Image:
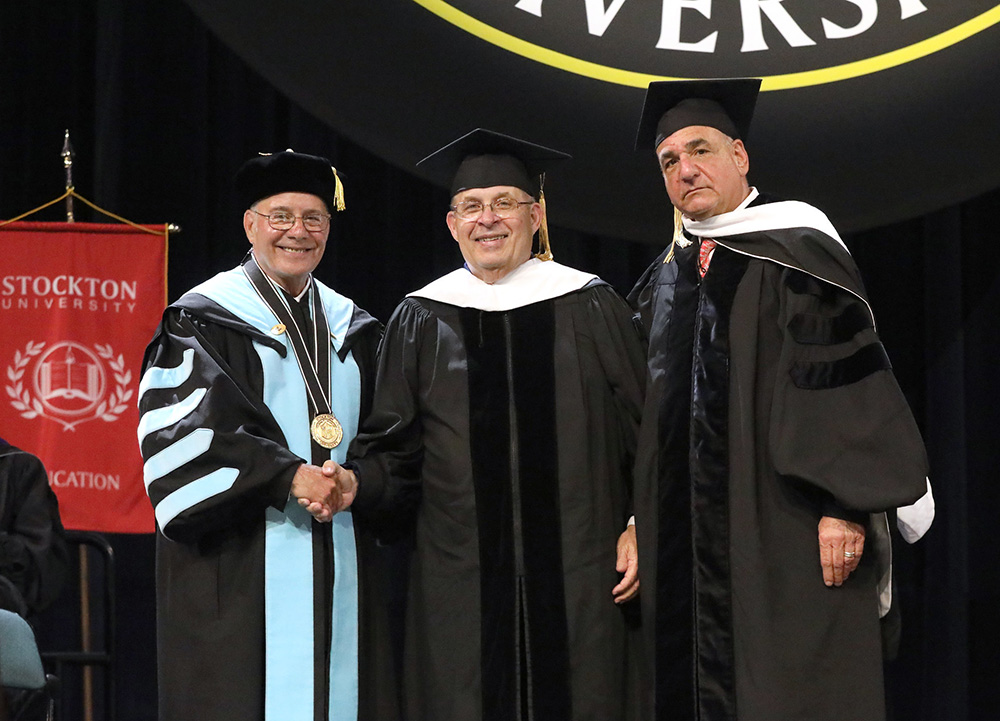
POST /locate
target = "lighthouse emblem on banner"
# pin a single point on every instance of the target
(68, 382)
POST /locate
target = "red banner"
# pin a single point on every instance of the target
(78, 304)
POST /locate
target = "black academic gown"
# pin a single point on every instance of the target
(34, 561)
(770, 403)
(512, 432)
(210, 563)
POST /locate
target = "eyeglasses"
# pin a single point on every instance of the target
(283, 220)
(502, 207)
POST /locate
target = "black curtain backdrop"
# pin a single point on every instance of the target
(161, 114)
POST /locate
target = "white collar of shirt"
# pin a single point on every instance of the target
(533, 281)
(305, 290)
(749, 199)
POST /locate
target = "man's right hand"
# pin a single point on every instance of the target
(325, 490)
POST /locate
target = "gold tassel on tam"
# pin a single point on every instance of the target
(544, 249)
(338, 192)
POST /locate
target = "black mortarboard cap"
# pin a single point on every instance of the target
(289, 172)
(724, 104)
(484, 158)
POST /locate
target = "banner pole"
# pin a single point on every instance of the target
(67, 156)
(88, 676)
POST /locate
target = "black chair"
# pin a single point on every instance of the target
(96, 594)
(21, 673)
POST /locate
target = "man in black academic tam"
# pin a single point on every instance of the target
(288, 171)
(253, 385)
(772, 420)
(507, 398)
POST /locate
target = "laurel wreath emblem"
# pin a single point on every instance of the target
(116, 403)
(22, 400)
(108, 410)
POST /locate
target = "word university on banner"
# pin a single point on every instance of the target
(78, 304)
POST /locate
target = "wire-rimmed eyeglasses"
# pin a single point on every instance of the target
(502, 207)
(283, 220)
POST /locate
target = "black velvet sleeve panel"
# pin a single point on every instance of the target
(245, 434)
(839, 421)
(841, 372)
(814, 329)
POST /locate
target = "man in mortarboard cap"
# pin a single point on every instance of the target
(772, 420)
(507, 398)
(252, 386)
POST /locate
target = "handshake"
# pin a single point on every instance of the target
(325, 490)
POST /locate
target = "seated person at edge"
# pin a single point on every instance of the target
(34, 561)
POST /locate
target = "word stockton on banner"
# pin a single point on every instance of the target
(78, 304)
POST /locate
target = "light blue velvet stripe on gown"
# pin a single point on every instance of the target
(289, 573)
(345, 401)
(289, 671)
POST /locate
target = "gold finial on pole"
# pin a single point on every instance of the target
(67, 156)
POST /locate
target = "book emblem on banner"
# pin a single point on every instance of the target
(68, 383)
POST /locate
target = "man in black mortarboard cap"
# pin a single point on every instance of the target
(772, 418)
(495, 233)
(507, 399)
(252, 387)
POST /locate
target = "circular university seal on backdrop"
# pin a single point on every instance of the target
(857, 94)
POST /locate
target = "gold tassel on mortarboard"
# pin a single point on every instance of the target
(678, 232)
(338, 191)
(544, 249)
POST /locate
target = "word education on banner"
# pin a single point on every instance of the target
(78, 304)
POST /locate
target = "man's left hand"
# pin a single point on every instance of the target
(628, 563)
(841, 544)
